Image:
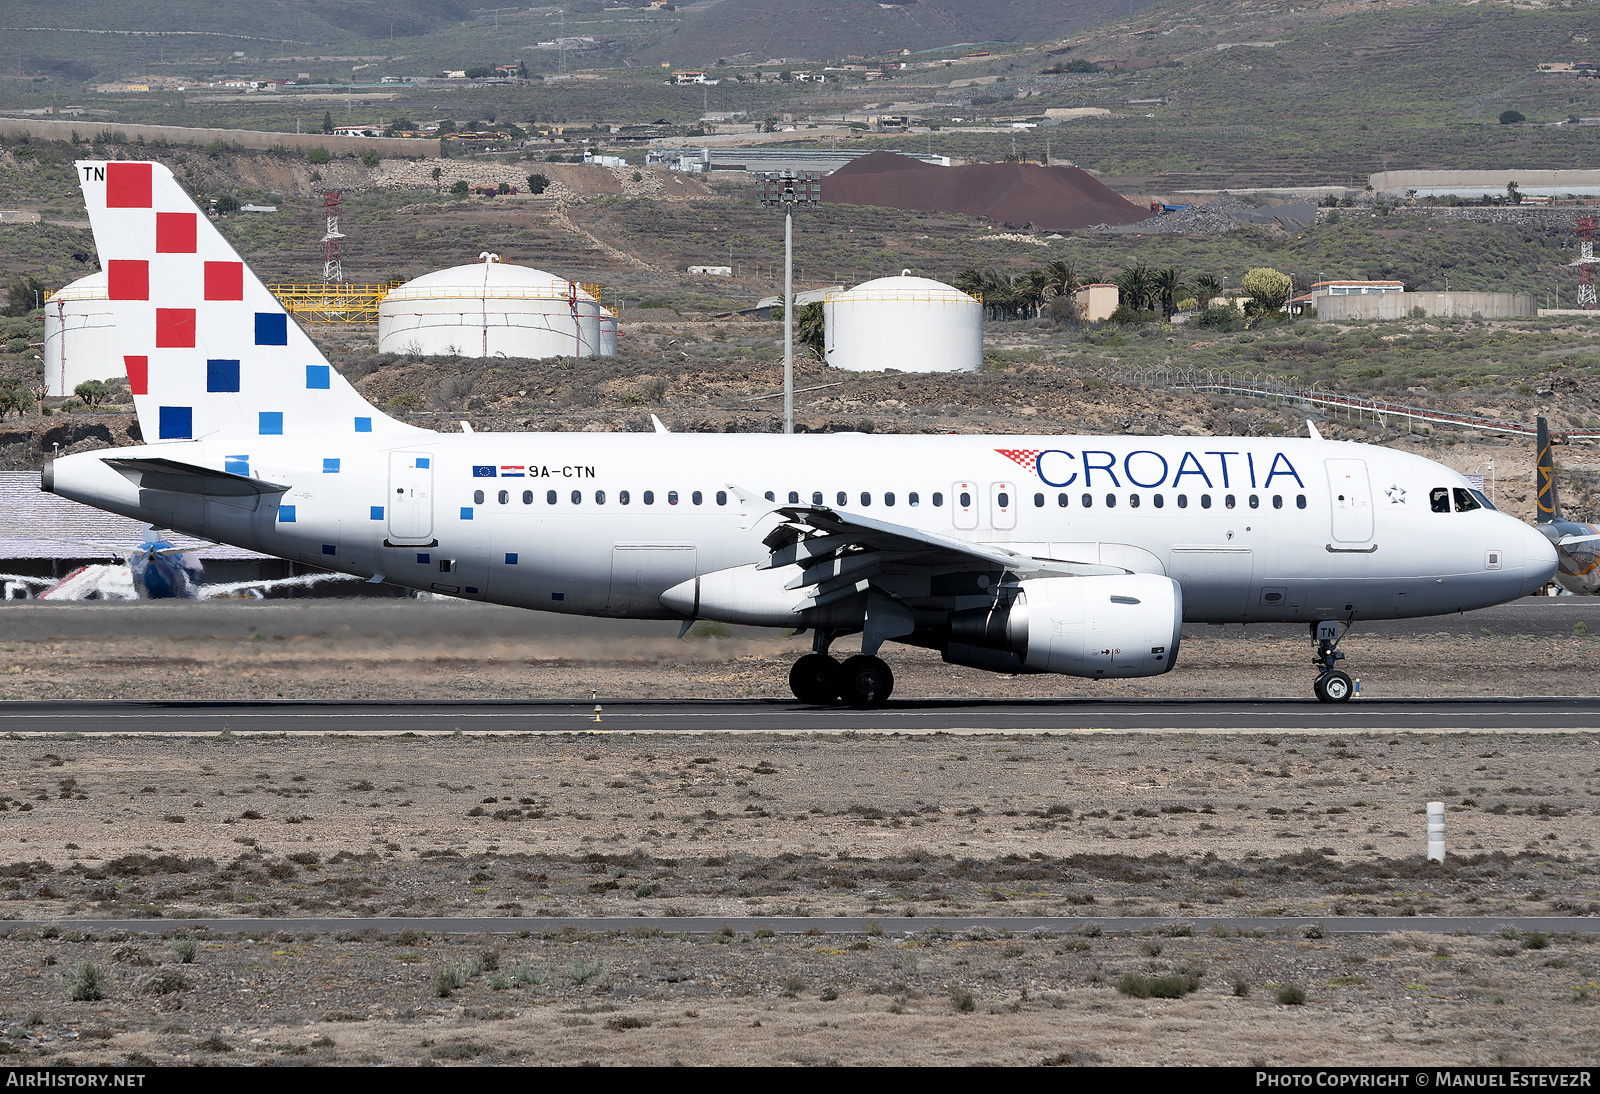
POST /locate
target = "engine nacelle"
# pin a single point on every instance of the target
(1103, 627)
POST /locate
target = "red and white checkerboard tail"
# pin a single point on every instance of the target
(208, 350)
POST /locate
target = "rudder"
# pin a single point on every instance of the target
(208, 350)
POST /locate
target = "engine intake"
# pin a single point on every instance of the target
(1103, 627)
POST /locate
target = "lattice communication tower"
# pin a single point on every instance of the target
(332, 260)
(1586, 263)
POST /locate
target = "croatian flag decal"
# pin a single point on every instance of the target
(483, 470)
(513, 471)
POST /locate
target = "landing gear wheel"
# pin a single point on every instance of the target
(865, 682)
(1334, 687)
(815, 679)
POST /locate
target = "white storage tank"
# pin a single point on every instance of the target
(80, 336)
(913, 324)
(492, 308)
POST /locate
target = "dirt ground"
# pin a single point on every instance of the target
(341, 662)
(536, 826)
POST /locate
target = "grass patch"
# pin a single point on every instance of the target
(1157, 987)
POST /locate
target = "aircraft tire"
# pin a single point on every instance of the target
(865, 682)
(815, 679)
(1334, 687)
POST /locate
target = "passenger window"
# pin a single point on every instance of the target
(1277, 501)
(477, 497)
(794, 497)
(938, 500)
(913, 500)
(1038, 501)
(1004, 499)
(1133, 501)
(1299, 501)
(577, 497)
(505, 496)
(1439, 499)
(1465, 502)
(1061, 500)
(527, 497)
(1111, 501)
(672, 497)
(649, 497)
(697, 497)
(1255, 501)
(549, 497)
(771, 496)
(599, 497)
(1088, 501)
(966, 500)
(866, 499)
(816, 497)
(1205, 501)
(841, 498)
(624, 497)
(1183, 501)
(722, 497)
(1161, 501)
(1228, 501)
(888, 498)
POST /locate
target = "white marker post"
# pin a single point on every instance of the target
(1436, 831)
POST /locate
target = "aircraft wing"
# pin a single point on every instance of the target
(838, 550)
(228, 588)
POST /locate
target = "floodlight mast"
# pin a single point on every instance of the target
(788, 189)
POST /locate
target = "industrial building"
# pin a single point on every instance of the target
(1434, 305)
(913, 324)
(80, 336)
(1097, 302)
(491, 308)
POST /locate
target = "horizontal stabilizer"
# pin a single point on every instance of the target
(186, 478)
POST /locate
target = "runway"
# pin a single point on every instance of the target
(1553, 714)
(888, 925)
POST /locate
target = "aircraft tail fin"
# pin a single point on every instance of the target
(1548, 508)
(208, 350)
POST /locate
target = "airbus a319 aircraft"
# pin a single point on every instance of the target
(1075, 555)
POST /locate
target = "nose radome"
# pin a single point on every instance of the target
(1538, 559)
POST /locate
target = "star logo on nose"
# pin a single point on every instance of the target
(1397, 495)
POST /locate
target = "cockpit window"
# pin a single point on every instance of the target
(1465, 502)
(1483, 501)
(1439, 499)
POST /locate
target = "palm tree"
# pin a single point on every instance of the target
(1166, 285)
(1060, 279)
(1206, 288)
(999, 299)
(1028, 291)
(1134, 284)
(970, 281)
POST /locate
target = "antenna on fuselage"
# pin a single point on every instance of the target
(1547, 508)
(657, 423)
(1311, 428)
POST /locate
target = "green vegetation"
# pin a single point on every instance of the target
(1158, 987)
(84, 981)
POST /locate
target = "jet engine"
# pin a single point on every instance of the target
(1103, 626)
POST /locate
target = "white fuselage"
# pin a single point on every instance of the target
(1253, 529)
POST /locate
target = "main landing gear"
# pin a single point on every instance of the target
(1333, 685)
(820, 679)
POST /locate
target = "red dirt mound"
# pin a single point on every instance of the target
(1053, 198)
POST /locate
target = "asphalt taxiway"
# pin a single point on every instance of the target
(1521, 715)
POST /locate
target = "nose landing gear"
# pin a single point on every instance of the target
(1332, 685)
(818, 678)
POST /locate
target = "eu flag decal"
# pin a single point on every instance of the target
(483, 470)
